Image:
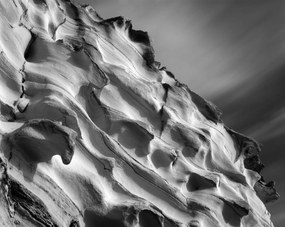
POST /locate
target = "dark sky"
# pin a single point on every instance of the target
(231, 52)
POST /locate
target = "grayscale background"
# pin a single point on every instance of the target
(231, 52)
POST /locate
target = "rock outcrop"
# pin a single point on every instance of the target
(93, 132)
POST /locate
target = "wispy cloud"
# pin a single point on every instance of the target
(272, 128)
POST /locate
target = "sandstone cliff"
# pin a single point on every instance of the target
(93, 132)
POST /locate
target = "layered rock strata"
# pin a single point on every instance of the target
(93, 132)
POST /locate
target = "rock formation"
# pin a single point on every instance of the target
(93, 132)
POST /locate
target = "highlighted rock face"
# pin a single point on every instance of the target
(94, 133)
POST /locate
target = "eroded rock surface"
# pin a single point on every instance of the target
(94, 133)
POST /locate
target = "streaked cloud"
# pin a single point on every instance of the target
(274, 127)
